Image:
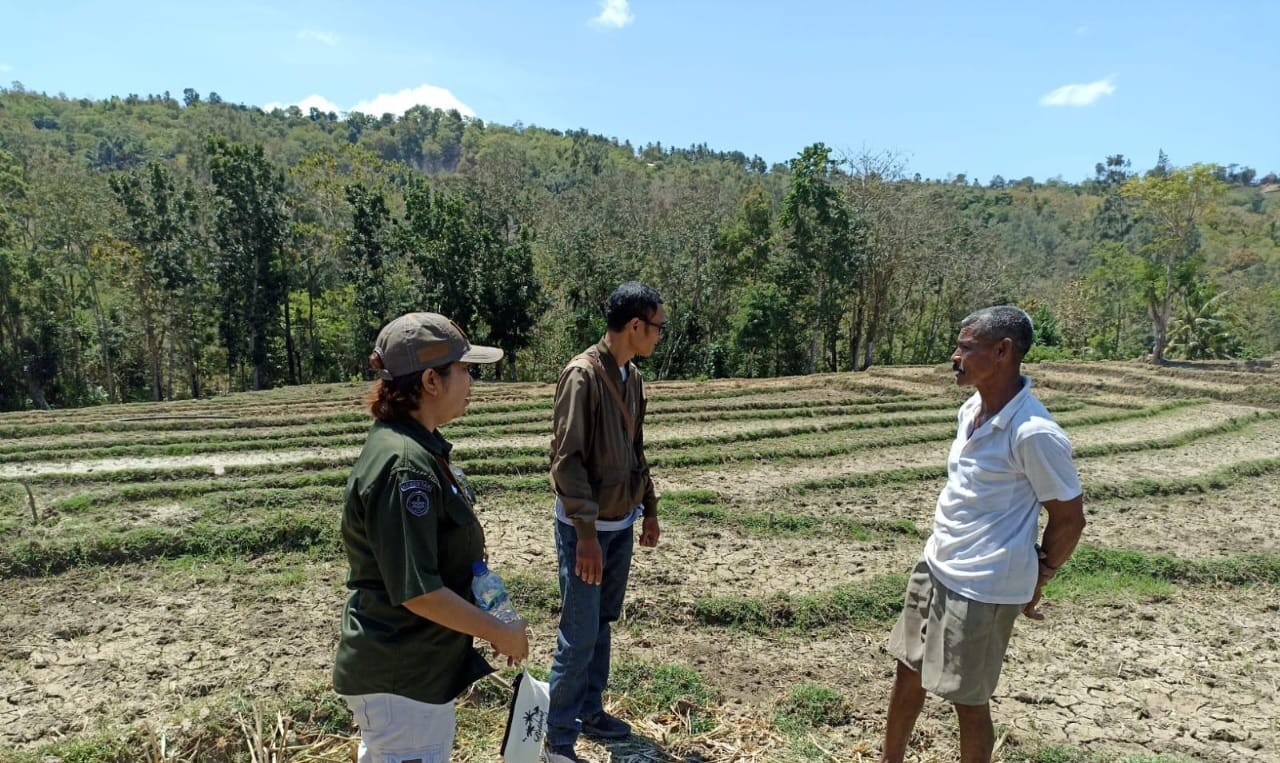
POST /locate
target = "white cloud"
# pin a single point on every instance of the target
(422, 95)
(384, 103)
(5, 68)
(1078, 94)
(315, 35)
(306, 104)
(614, 13)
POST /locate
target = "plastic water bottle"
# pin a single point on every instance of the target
(490, 593)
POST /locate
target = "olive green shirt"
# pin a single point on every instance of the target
(597, 471)
(408, 529)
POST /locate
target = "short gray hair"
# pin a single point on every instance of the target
(1002, 322)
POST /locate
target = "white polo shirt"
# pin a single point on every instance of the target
(984, 527)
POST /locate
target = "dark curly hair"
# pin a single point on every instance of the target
(396, 399)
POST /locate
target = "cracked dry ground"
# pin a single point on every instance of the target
(1193, 673)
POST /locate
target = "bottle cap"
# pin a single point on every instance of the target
(478, 567)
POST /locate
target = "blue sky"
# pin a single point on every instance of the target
(975, 88)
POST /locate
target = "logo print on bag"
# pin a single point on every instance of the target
(534, 722)
(415, 497)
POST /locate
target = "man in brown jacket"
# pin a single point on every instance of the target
(602, 485)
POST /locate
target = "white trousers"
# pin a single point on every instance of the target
(395, 729)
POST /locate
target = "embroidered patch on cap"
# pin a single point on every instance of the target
(416, 496)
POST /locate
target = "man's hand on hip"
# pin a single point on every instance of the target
(1045, 574)
(650, 532)
(590, 566)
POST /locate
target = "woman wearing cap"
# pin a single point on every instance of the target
(410, 535)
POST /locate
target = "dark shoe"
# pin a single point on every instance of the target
(605, 726)
(560, 755)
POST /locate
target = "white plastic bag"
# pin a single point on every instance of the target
(527, 720)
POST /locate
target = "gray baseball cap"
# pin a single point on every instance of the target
(415, 342)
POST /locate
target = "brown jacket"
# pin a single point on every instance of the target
(596, 471)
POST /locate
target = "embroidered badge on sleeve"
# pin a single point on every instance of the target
(416, 496)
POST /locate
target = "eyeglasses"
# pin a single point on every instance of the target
(659, 326)
(475, 369)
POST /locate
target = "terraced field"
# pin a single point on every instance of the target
(173, 578)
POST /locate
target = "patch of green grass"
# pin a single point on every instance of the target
(1093, 586)
(81, 442)
(686, 500)
(13, 501)
(183, 473)
(764, 411)
(491, 694)
(779, 389)
(1218, 479)
(703, 506)
(536, 485)
(324, 713)
(873, 602)
(1177, 440)
(279, 531)
(641, 688)
(744, 404)
(795, 449)
(191, 447)
(101, 749)
(196, 423)
(1245, 569)
(1099, 573)
(872, 479)
(214, 736)
(811, 706)
(534, 596)
(904, 527)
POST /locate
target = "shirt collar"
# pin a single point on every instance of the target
(432, 440)
(606, 358)
(1002, 418)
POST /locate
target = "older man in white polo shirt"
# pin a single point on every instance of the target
(982, 564)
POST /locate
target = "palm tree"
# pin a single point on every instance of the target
(1203, 327)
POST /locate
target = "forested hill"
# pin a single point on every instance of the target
(152, 248)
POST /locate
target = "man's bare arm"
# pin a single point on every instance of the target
(1061, 535)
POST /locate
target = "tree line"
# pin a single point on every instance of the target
(153, 249)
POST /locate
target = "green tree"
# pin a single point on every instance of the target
(1116, 299)
(761, 326)
(442, 239)
(511, 298)
(747, 241)
(13, 286)
(476, 263)
(159, 224)
(1203, 328)
(823, 241)
(368, 248)
(249, 229)
(65, 217)
(1113, 220)
(1174, 203)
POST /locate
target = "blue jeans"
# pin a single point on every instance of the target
(580, 668)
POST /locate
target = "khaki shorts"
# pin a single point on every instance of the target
(956, 644)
